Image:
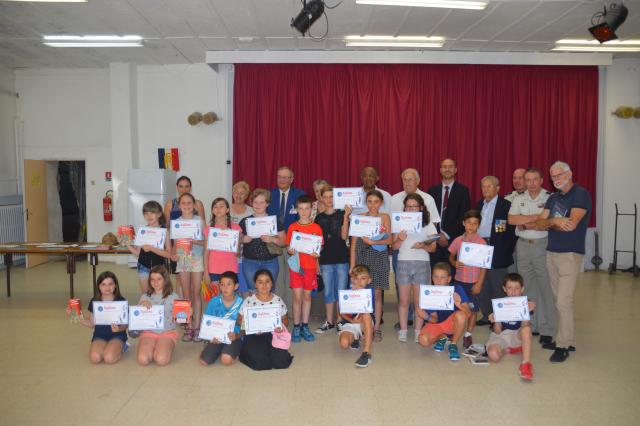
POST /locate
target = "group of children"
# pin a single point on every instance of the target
(366, 259)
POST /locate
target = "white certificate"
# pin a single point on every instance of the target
(356, 301)
(186, 228)
(306, 243)
(147, 235)
(259, 226)
(437, 297)
(262, 319)
(353, 197)
(141, 318)
(479, 255)
(509, 309)
(223, 240)
(216, 328)
(107, 313)
(406, 221)
(364, 226)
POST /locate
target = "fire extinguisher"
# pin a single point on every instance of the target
(107, 206)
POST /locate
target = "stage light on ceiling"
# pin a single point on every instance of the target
(447, 4)
(309, 14)
(606, 23)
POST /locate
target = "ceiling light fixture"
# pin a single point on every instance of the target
(605, 23)
(51, 1)
(447, 4)
(575, 45)
(391, 41)
(92, 41)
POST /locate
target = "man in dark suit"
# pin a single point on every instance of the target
(495, 229)
(283, 198)
(452, 199)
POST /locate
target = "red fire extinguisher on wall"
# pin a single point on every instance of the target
(107, 206)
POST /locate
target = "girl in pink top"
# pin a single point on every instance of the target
(219, 261)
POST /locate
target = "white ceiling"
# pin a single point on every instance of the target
(181, 31)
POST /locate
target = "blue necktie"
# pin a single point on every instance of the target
(282, 207)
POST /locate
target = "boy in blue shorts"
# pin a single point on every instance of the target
(439, 325)
(515, 336)
(354, 328)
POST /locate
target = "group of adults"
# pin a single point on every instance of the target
(539, 234)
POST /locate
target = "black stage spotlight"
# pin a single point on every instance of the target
(309, 14)
(608, 22)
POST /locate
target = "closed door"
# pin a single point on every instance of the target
(36, 211)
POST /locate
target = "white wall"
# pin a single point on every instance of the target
(8, 180)
(620, 158)
(166, 96)
(68, 115)
(65, 115)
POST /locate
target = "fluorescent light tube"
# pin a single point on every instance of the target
(447, 4)
(91, 44)
(391, 41)
(578, 45)
(93, 38)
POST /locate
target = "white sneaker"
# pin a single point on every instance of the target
(416, 336)
(402, 335)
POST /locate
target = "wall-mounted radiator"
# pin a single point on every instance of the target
(12, 228)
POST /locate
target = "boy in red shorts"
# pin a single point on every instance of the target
(441, 324)
(303, 281)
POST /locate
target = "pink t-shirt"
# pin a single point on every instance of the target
(466, 274)
(222, 261)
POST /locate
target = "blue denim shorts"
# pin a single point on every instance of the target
(143, 271)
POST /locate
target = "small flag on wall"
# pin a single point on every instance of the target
(168, 159)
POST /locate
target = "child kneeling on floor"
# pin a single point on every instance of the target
(441, 324)
(513, 336)
(227, 306)
(354, 328)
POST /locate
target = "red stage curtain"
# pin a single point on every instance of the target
(329, 120)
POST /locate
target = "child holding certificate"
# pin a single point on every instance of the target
(354, 328)
(514, 336)
(148, 255)
(470, 278)
(256, 251)
(440, 324)
(108, 341)
(334, 257)
(158, 345)
(218, 261)
(189, 255)
(373, 253)
(257, 351)
(413, 267)
(304, 281)
(226, 305)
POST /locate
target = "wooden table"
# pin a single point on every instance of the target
(69, 250)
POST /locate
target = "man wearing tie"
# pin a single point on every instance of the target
(453, 201)
(283, 198)
(282, 205)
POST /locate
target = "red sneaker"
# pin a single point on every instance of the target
(517, 350)
(526, 371)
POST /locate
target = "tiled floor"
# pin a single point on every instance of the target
(46, 377)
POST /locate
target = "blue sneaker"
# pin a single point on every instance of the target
(439, 346)
(295, 334)
(307, 335)
(125, 347)
(453, 352)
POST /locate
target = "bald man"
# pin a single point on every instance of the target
(519, 186)
(369, 178)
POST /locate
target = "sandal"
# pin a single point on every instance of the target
(196, 334)
(187, 336)
(377, 336)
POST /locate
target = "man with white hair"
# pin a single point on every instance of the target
(566, 216)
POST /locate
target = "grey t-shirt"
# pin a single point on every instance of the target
(155, 299)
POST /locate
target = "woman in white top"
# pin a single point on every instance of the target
(413, 264)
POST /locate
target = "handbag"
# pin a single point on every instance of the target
(281, 340)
